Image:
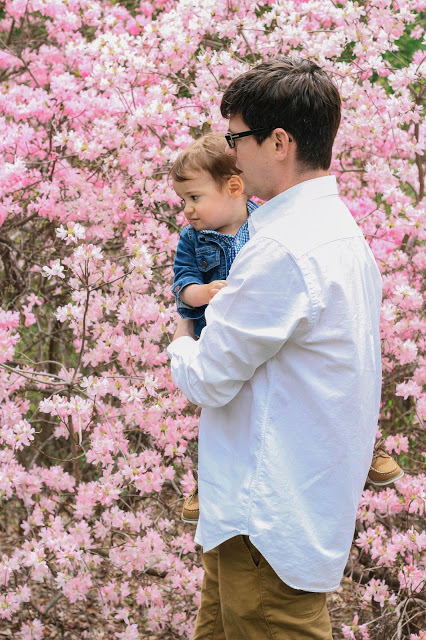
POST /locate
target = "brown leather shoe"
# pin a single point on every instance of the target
(191, 508)
(384, 470)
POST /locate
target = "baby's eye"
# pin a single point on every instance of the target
(195, 198)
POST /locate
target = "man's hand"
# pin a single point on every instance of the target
(214, 287)
(195, 409)
(184, 327)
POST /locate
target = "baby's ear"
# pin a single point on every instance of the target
(235, 186)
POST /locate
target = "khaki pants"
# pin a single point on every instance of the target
(242, 598)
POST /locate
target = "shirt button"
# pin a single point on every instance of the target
(176, 288)
(204, 263)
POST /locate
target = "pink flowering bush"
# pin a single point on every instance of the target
(97, 446)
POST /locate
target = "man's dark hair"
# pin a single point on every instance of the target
(294, 94)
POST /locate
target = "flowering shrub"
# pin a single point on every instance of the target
(97, 445)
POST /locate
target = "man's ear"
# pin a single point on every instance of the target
(235, 186)
(282, 141)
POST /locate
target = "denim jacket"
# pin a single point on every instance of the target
(201, 257)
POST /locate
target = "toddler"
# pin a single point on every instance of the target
(217, 209)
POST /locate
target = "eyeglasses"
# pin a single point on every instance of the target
(231, 137)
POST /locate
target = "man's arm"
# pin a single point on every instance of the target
(265, 301)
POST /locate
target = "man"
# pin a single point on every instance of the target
(287, 371)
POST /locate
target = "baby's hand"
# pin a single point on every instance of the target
(214, 287)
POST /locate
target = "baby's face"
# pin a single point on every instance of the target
(207, 206)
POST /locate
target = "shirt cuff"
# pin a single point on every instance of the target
(180, 353)
(180, 346)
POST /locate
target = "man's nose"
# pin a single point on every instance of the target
(229, 151)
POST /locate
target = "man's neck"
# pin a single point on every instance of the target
(288, 181)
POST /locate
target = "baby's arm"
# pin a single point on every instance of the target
(192, 295)
(197, 295)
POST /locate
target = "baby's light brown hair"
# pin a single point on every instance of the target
(205, 154)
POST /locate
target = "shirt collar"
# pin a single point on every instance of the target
(284, 203)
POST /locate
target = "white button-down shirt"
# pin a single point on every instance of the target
(288, 373)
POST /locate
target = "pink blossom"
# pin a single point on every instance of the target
(32, 630)
(409, 388)
(54, 270)
(413, 578)
(378, 591)
(131, 633)
(397, 443)
(353, 630)
(407, 352)
(77, 588)
(73, 233)
(19, 435)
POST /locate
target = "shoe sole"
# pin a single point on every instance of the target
(385, 482)
(189, 521)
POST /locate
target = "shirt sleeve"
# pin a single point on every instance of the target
(186, 272)
(268, 300)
